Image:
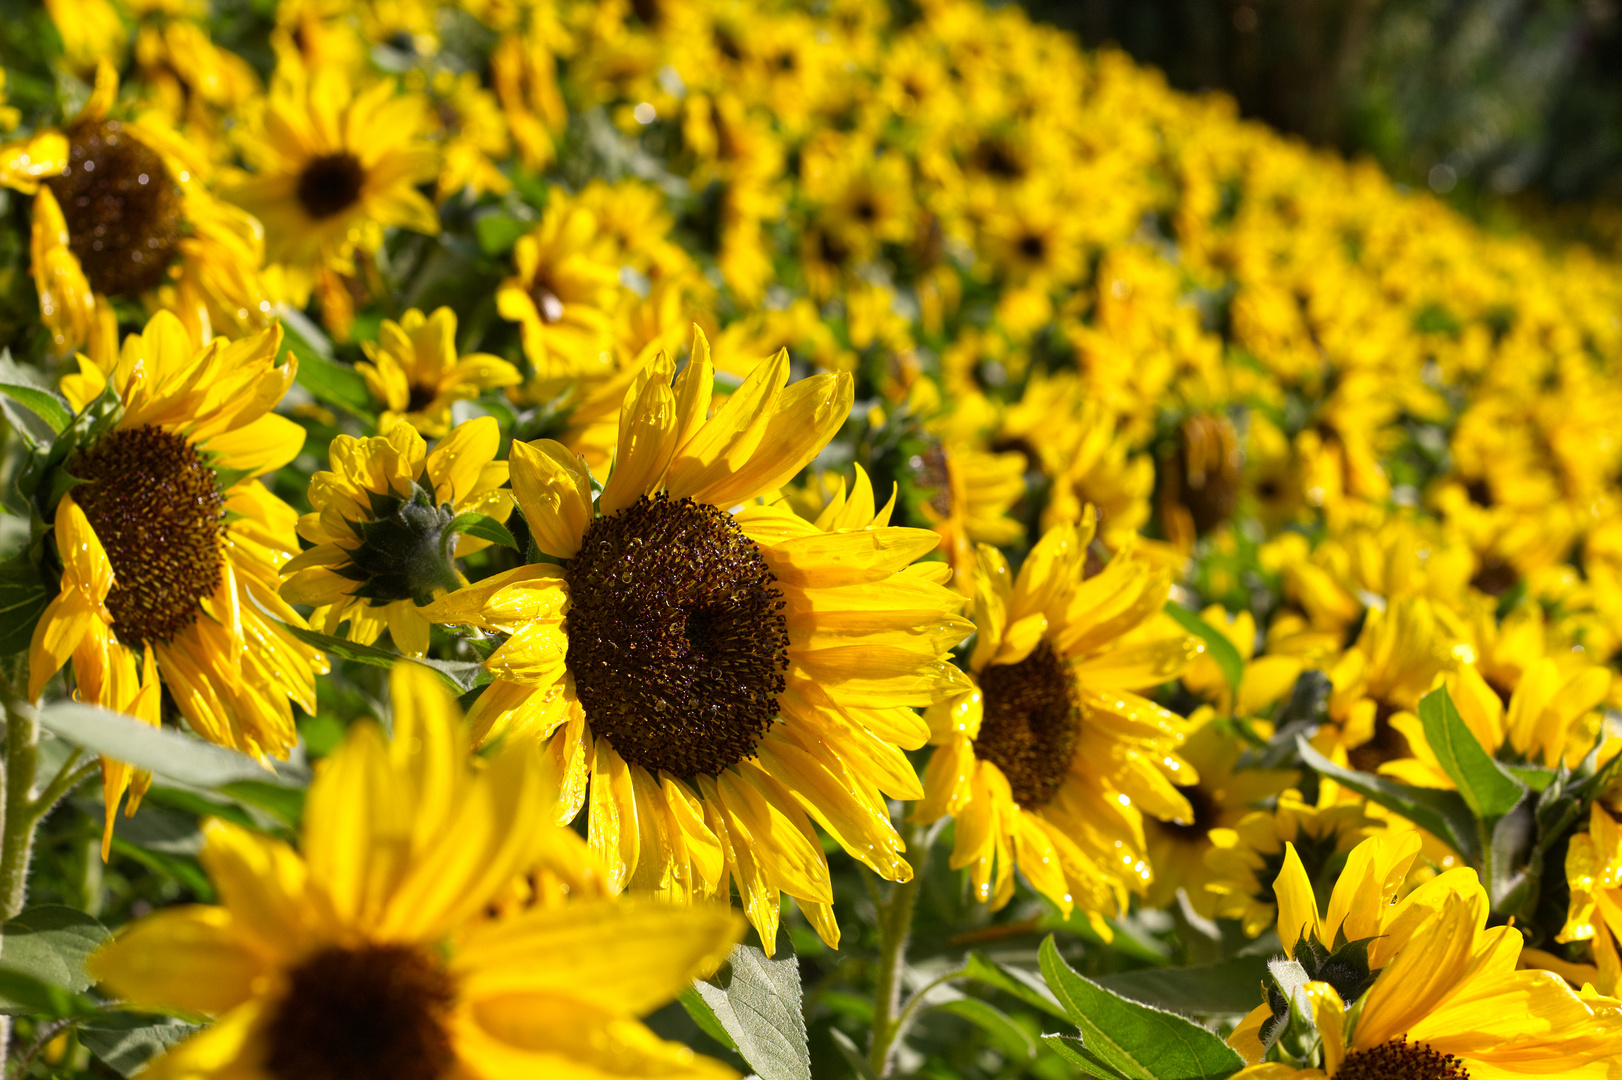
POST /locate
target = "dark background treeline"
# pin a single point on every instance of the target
(1491, 102)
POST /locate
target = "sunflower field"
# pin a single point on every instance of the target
(689, 538)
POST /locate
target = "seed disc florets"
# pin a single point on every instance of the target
(1030, 724)
(677, 643)
(157, 510)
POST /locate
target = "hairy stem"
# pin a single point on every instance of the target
(894, 925)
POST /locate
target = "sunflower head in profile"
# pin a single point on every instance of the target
(710, 672)
(1403, 982)
(1051, 758)
(415, 372)
(388, 523)
(127, 216)
(371, 952)
(169, 544)
(331, 169)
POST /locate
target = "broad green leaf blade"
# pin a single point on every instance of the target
(286, 804)
(1023, 985)
(164, 752)
(1435, 810)
(484, 527)
(42, 403)
(458, 675)
(756, 999)
(1138, 1041)
(1217, 645)
(125, 1042)
(24, 595)
(22, 994)
(1073, 1051)
(704, 1017)
(995, 1023)
(1204, 990)
(51, 943)
(1488, 790)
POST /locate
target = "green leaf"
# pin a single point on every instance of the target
(1202, 990)
(1488, 790)
(704, 1017)
(497, 233)
(285, 803)
(23, 994)
(51, 943)
(459, 675)
(125, 1042)
(327, 380)
(1021, 984)
(1436, 810)
(42, 403)
(164, 752)
(24, 595)
(1217, 644)
(756, 1000)
(1138, 1041)
(484, 527)
(1072, 1050)
(1007, 1036)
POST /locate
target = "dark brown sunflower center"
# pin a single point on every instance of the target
(1030, 724)
(157, 510)
(1401, 1060)
(421, 397)
(1388, 744)
(1205, 815)
(121, 206)
(378, 1012)
(331, 184)
(677, 641)
(1033, 246)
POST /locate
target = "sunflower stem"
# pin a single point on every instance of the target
(894, 925)
(20, 815)
(19, 819)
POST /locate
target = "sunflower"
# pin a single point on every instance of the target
(1536, 725)
(1244, 859)
(369, 954)
(414, 371)
(170, 544)
(1594, 873)
(1050, 759)
(128, 217)
(1224, 796)
(563, 295)
(708, 670)
(970, 494)
(1420, 987)
(387, 529)
(331, 170)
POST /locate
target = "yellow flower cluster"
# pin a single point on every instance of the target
(803, 430)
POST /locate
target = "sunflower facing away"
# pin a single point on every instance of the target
(708, 670)
(385, 529)
(1050, 759)
(170, 545)
(1420, 988)
(369, 954)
